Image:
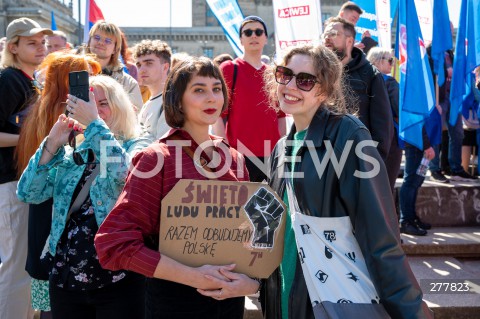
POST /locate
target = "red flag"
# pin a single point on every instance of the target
(92, 15)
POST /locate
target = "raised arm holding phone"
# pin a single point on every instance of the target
(83, 195)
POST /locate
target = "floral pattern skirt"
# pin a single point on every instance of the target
(40, 295)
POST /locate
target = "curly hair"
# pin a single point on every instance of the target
(157, 47)
(328, 70)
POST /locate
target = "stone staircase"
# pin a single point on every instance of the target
(448, 258)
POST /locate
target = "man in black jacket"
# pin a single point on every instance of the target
(366, 92)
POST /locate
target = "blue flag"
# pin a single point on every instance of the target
(54, 24)
(230, 17)
(441, 39)
(416, 84)
(467, 55)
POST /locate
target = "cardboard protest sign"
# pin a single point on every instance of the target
(221, 222)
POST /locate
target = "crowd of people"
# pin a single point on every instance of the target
(79, 231)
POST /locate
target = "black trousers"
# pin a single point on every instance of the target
(121, 300)
(169, 300)
(393, 161)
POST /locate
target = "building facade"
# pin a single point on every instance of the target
(40, 11)
(206, 37)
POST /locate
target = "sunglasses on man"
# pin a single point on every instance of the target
(249, 32)
(304, 81)
(77, 157)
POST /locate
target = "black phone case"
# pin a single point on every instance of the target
(78, 84)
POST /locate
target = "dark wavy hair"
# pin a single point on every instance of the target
(176, 85)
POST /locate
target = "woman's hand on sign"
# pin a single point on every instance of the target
(238, 285)
(216, 272)
(196, 277)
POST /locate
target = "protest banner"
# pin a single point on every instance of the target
(296, 23)
(220, 222)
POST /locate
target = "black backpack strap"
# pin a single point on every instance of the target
(235, 71)
(234, 81)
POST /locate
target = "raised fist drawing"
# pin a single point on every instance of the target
(265, 212)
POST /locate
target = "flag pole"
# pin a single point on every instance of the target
(170, 21)
(80, 40)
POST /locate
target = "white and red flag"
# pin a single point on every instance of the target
(297, 22)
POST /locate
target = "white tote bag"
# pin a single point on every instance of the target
(333, 265)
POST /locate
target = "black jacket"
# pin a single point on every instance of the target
(393, 90)
(369, 96)
(367, 201)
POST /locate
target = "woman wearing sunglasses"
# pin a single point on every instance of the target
(85, 183)
(194, 96)
(383, 59)
(329, 161)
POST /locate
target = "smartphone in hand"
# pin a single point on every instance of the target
(78, 85)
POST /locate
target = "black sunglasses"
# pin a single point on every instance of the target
(389, 60)
(77, 157)
(249, 32)
(304, 81)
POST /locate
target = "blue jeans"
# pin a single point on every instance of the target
(411, 183)
(455, 139)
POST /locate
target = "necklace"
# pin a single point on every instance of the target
(201, 162)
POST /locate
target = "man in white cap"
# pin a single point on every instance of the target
(23, 52)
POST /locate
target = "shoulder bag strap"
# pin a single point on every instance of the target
(82, 195)
(235, 71)
(234, 81)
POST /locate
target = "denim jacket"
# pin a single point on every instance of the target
(59, 177)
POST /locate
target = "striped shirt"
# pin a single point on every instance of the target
(120, 240)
